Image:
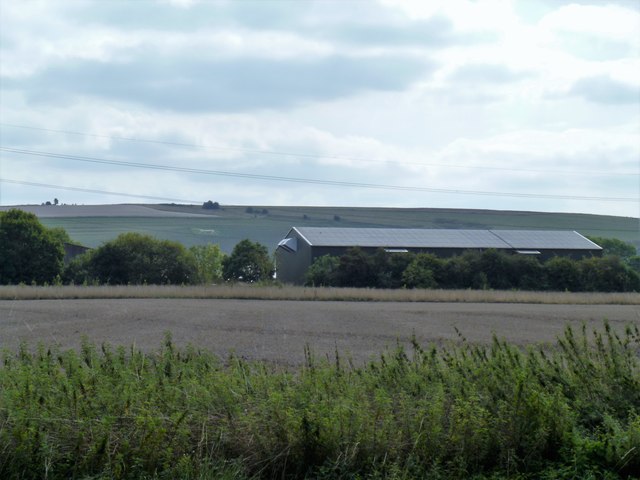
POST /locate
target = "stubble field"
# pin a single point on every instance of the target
(277, 331)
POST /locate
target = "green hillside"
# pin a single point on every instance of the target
(230, 224)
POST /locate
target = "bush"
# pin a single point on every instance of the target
(423, 271)
(607, 274)
(355, 269)
(322, 272)
(563, 274)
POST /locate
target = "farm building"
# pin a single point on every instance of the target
(302, 245)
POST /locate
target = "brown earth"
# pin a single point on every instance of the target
(279, 330)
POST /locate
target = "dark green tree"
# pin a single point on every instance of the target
(607, 274)
(563, 274)
(29, 252)
(133, 258)
(355, 269)
(527, 273)
(496, 266)
(249, 262)
(389, 267)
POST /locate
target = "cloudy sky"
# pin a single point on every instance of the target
(524, 105)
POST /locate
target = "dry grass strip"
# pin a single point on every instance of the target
(239, 291)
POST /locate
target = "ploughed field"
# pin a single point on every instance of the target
(278, 331)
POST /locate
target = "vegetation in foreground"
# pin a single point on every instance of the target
(466, 411)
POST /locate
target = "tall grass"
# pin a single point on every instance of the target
(457, 412)
(269, 292)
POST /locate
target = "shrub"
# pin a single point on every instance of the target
(355, 269)
(423, 271)
(563, 274)
(322, 271)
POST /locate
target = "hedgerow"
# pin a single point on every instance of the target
(465, 411)
(490, 269)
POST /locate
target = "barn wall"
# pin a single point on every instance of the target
(292, 266)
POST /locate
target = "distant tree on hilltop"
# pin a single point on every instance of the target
(209, 205)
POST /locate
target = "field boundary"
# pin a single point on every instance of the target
(246, 292)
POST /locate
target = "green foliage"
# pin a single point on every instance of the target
(208, 263)
(563, 274)
(607, 274)
(463, 411)
(249, 262)
(389, 268)
(29, 252)
(355, 269)
(134, 259)
(614, 246)
(422, 271)
(479, 270)
(322, 271)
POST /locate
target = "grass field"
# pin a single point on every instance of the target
(231, 224)
(241, 291)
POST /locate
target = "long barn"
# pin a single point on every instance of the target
(302, 245)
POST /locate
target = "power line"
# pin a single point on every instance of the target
(335, 183)
(91, 190)
(315, 156)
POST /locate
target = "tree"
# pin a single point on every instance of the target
(209, 205)
(208, 262)
(249, 262)
(322, 272)
(422, 271)
(563, 274)
(133, 258)
(389, 267)
(29, 252)
(614, 246)
(607, 274)
(55, 201)
(355, 269)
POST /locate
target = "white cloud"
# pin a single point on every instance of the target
(451, 94)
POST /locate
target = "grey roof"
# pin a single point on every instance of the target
(443, 238)
(556, 239)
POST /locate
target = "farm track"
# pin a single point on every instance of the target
(277, 331)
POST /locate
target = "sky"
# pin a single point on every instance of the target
(489, 104)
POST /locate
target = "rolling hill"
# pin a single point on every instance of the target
(192, 225)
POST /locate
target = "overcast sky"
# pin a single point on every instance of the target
(510, 105)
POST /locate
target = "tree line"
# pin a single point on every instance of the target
(489, 269)
(30, 253)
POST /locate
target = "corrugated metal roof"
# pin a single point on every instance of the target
(556, 239)
(400, 237)
(443, 238)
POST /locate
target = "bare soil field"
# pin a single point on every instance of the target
(277, 331)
